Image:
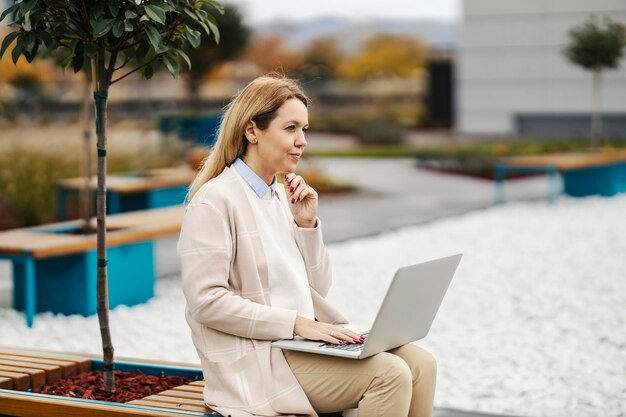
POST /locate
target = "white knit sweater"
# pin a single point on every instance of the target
(289, 285)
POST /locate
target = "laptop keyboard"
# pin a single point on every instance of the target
(354, 347)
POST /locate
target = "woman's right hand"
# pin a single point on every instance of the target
(315, 330)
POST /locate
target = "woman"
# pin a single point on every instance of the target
(255, 269)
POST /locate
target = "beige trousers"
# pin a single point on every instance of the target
(397, 383)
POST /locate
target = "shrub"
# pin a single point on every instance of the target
(28, 177)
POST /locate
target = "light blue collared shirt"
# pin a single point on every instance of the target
(254, 181)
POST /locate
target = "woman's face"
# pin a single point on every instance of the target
(280, 146)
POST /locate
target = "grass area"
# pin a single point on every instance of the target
(471, 157)
(471, 149)
(34, 158)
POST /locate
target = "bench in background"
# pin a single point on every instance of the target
(54, 270)
(583, 173)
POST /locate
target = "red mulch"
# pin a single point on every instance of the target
(128, 386)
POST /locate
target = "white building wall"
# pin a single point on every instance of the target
(510, 62)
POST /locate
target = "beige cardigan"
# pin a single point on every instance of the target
(225, 282)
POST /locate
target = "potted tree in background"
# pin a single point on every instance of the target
(113, 40)
(596, 47)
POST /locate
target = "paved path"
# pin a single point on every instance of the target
(395, 193)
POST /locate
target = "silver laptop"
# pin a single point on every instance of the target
(405, 315)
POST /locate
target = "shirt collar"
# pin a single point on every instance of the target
(254, 181)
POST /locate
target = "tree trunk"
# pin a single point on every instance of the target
(87, 117)
(596, 117)
(101, 97)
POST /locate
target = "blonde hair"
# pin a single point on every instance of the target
(259, 101)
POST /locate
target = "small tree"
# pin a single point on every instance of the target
(234, 38)
(596, 47)
(107, 36)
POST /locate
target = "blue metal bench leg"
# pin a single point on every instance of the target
(499, 174)
(30, 291)
(552, 185)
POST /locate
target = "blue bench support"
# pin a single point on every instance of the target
(500, 171)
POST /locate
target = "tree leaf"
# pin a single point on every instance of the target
(44, 37)
(147, 72)
(128, 26)
(114, 8)
(155, 13)
(213, 25)
(77, 62)
(193, 36)
(142, 50)
(33, 52)
(7, 41)
(8, 11)
(172, 65)
(102, 27)
(184, 56)
(118, 28)
(29, 40)
(27, 5)
(129, 14)
(16, 52)
(154, 36)
(216, 5)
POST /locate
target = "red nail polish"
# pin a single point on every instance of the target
(291, 189)
(293, 201)
(298, 198)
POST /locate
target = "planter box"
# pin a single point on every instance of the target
(603, 180)
(184, 400)
(198, 128)
(128, 191)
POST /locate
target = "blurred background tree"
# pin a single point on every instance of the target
(320, 60)
(269, 54)
(596, 46)
(234, 37)
(385, 56)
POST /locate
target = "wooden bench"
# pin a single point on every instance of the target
(155, 188)
(583, 173)
(48, 260)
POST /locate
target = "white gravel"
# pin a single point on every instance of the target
(534, 323)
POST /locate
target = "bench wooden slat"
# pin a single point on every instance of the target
(68, 368)
(6, 383)
(205, 410)
(189, 388)
(37, 377)
(53, 372)
(182, 394)
(15, 404)
(83, 364)
(21, 381)
(198, 384)
(174, 400)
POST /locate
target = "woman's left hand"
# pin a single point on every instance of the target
(302, 200)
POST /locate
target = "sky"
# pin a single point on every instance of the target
(258, 11)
